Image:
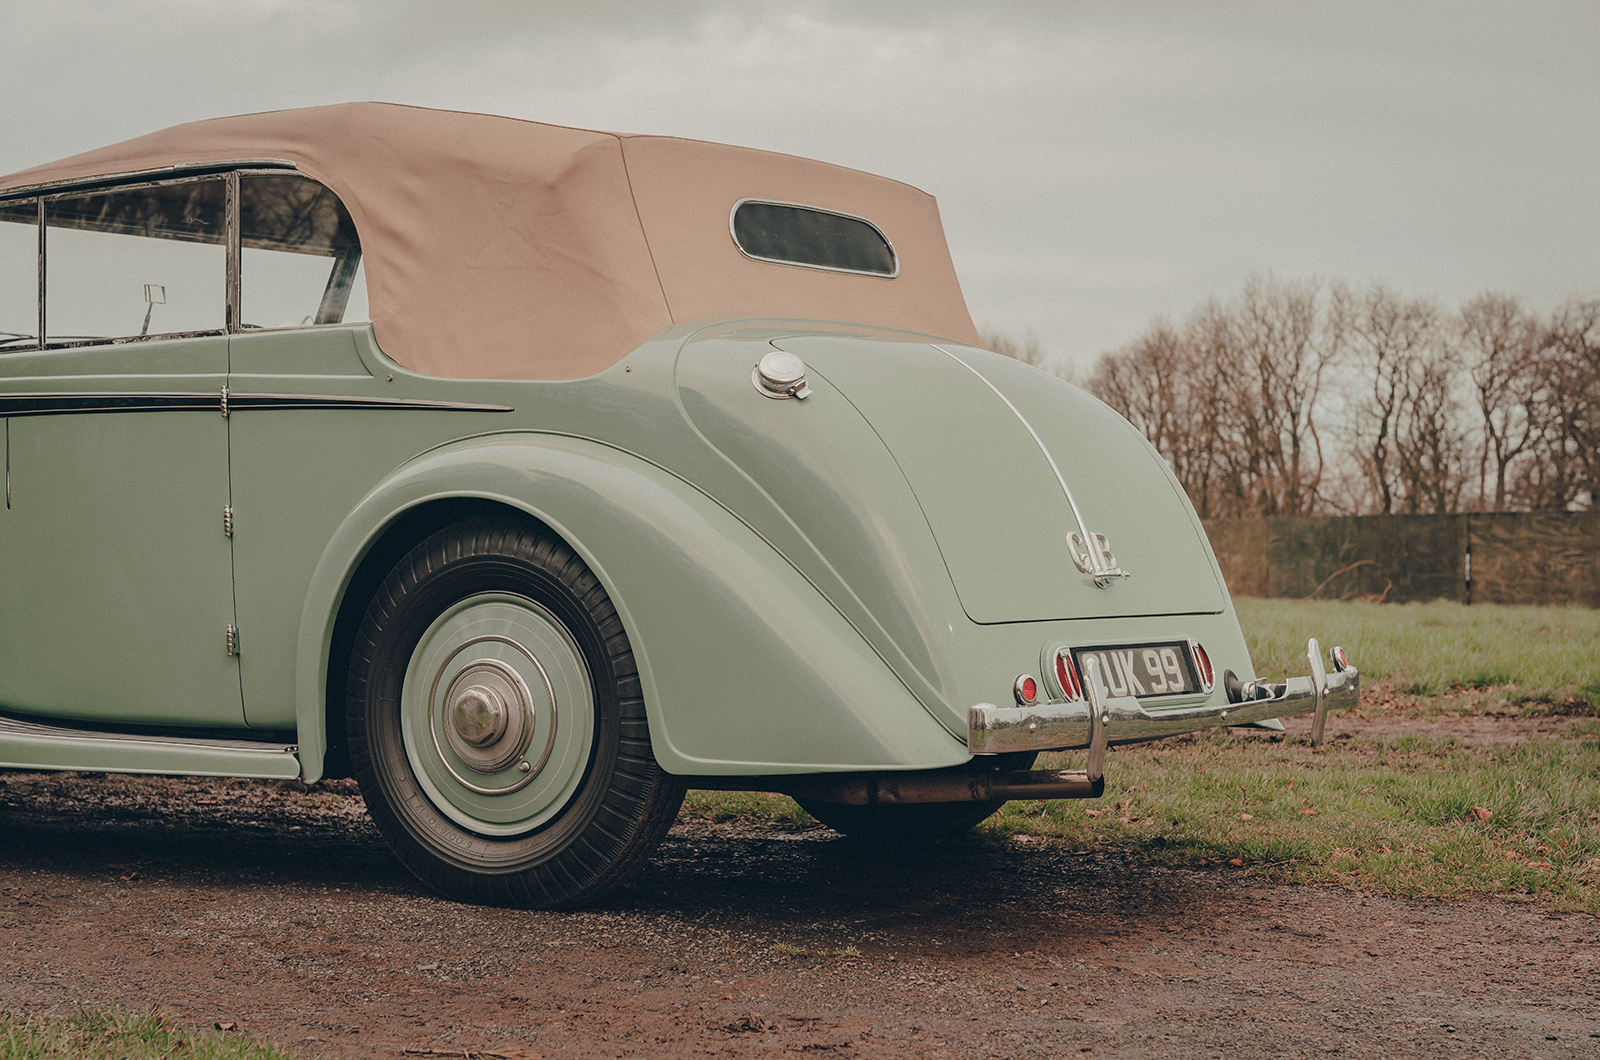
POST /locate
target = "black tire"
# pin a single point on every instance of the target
(917, 822)
(496, 724)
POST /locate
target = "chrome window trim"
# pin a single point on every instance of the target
(129, 340)
(148, 176)
(230, 225)
(9, 347)
(227, 172)
(893, 254)
(133, 185)
(232, 273)
(38, 291)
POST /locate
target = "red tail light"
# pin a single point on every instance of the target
(1067, 674)
(1202, 667)
(1026, 689)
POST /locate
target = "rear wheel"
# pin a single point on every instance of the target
(496, 724)
(917, 822)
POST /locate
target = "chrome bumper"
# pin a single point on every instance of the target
(1101, 721)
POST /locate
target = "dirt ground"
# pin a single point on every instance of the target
(282, 911)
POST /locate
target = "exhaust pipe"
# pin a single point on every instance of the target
(899, 789)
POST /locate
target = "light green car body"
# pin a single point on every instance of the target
(809, 586)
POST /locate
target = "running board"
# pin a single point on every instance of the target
(32, 746)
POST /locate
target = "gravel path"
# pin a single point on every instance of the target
(283, 911)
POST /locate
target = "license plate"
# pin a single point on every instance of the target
(1141, 670)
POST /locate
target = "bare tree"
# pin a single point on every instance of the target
(1025, 350)
(1406, 446)
(1501, 344)
(1565, 470)
(1156, 382)
(1284, 354)
(1430, 442)
(1231, 398)
(1237, 396)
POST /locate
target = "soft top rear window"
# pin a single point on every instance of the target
(791, 234)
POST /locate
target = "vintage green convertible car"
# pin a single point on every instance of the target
(533, 475)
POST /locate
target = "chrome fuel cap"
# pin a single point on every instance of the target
(780, 374)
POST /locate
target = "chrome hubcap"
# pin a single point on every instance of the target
(497, 714)
(488, 716)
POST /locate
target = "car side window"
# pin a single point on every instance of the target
(300, 257)
(19, 275)
(131, 262)
(787, 233)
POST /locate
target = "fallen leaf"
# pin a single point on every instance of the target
(1247, 817)
(1482, 813)
(1308, 812)
(1237, 862)
(1095, 813)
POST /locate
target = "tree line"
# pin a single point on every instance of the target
(1312, 398)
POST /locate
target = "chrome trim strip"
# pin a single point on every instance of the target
(237, 401)
(39, 286)
(1059, 726)
(137, 401)
(38, 730)
(806, 265)
(181, 169)
(64, 404)
(233, 255)
(1103, 568)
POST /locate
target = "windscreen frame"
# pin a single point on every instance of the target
(228, 172)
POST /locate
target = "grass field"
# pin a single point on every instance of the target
(1544, 655)
(117, 1036)
(1406, 814)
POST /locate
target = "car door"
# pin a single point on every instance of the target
(116, 589)
(316, 419)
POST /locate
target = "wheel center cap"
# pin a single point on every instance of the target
(478, 714)
(487, 715)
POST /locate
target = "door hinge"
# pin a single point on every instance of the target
(224, 402)
(227, 520)
(233, 640)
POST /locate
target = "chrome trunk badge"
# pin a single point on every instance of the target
(1092, 555)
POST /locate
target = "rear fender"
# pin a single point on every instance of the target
(745, 667)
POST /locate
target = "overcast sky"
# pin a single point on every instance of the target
(1097, 164)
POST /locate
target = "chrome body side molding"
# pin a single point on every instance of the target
(226, 400)
(30, 745)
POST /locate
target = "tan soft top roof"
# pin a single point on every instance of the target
(501, 248)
